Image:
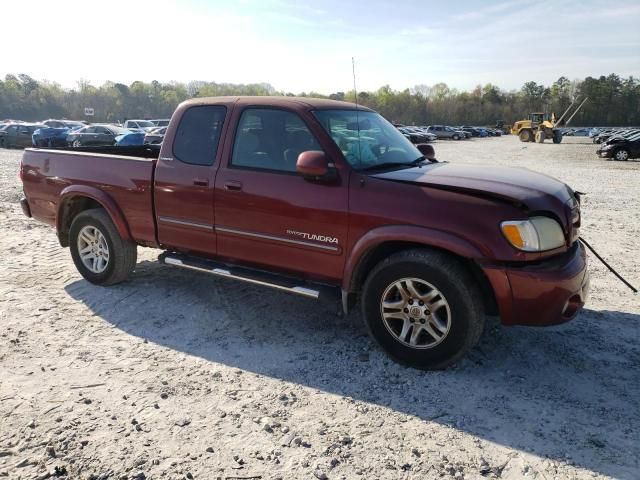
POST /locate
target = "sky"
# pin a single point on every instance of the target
(301, 46)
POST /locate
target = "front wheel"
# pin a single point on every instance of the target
(100, 254)
(456, 137)
(525, 136)
(557, 136)
(423, 308)
(621, 155)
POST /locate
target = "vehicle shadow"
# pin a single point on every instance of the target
(568, 393)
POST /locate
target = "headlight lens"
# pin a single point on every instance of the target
(537, 234)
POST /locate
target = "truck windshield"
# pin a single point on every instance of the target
(367, 140)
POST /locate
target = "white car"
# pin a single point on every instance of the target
(139, 125)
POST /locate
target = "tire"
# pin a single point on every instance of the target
(456, 137)
(622, 155)
(459, 321)
(76, 144)
(557, 136)
(525, 136)
(121, 254)
(540, 136)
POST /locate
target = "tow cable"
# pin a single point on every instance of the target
(586, 244)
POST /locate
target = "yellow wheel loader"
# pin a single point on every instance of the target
(540, 126)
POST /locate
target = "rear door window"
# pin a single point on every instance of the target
(198, 134)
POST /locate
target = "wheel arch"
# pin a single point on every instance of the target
(78, 198)
(380, 243)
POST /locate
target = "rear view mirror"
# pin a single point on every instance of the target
(427, 150)
(314, 165)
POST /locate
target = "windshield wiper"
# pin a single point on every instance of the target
(419, 160)
(385, 165)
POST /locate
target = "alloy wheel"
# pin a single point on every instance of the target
(415, 313)
(93, 249)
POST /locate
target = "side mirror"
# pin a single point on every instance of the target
(314, 165)
(427, 150)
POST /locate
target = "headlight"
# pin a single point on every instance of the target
(534, 235)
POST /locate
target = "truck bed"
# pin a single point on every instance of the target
(141, 151)
(49, 174)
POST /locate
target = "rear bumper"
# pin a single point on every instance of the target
(25, 207)
(547, 293)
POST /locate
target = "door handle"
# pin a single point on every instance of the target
(201, 182)
(233, 185)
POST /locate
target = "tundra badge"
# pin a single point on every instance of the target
(313, 236)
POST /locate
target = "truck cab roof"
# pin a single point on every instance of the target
(306, 103)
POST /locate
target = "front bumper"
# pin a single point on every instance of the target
(605, 153)
(549, 292)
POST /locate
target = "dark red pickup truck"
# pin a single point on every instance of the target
(327, 200)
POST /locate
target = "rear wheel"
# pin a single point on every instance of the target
(621, 155)
(423, 308)
(525, 136)
(100, 254)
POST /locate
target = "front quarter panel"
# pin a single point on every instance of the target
(466, 225)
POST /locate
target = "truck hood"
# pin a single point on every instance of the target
(518, 186)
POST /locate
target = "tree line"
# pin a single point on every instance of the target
(613, 101)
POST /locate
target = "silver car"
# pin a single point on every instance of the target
(442, 131)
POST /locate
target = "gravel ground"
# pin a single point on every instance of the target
(180, 375)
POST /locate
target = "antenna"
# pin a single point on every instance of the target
(353, 70)
(355, 92)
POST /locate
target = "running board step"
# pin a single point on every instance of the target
(258, 277)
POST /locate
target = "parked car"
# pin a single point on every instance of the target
(326, 200)
(18, 135)
(619, 133)
(474, 131)
(603, 135)
(161, 122)
(426, 137)
(99, 134)
(139, 125)
(155, 136)
(48, 137)
(442, 131)
(70, 124)
(130, 138)
(415, 136)
(621, 148)
(576, 132)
